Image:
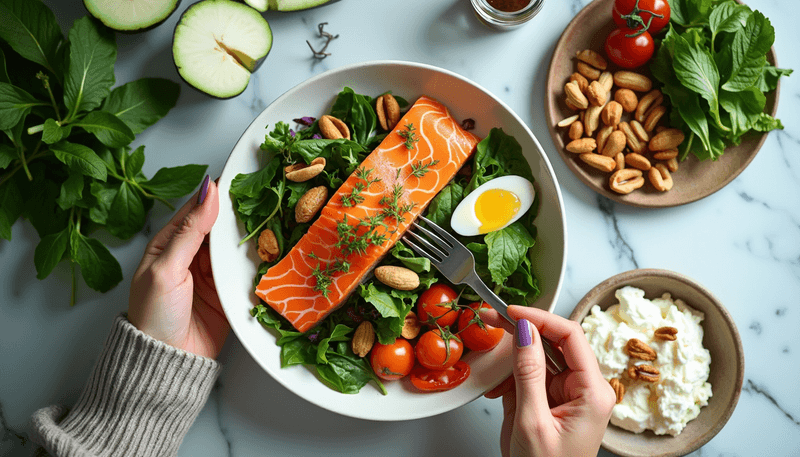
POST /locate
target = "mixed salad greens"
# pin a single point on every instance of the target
(265, 199)
(712, 62)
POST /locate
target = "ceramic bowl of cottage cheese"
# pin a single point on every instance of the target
(674, 355)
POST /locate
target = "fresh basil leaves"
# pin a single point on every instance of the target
(65, 158)
(712, 63)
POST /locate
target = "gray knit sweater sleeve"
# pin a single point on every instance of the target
(141, 399)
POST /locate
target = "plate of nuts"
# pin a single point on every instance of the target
(612, 125)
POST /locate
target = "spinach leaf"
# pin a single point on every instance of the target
(104, 193)
(53, 132)
(80, 158)
(409, 258)
(696, 70)
(347, 373)
(174, 182)
(743, 107)
(3, 70)
(769, 78)
(356, 111)
(252, 184)
(109, 129)
(340, 333)
(498, 154)
(100, 269)
(15, 104)
(49, 252)
(7, 155)
(71, 191)
(11, 207)
(728, 16)
(690, 13)
(442, 206)
(507, 249)
(748, 52)
(393, 306)
(92, 53)
(32, 31)
(141, 103)
(126, 216)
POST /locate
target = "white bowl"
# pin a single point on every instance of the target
(234, 266)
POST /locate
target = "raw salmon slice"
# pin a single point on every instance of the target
(387, 179)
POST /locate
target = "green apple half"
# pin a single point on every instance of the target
(284, 5)
(131, 15)
(217, 45)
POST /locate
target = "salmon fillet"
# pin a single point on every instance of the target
(385, 186)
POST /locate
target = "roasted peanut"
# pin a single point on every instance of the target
(614, 145)
(665, 155)
(596, 94)
(602, 136)
(637, 161)
(626, 180)
(598, 161)
(627, 98)
(588, 71)
(653, 116)
(612, 113)
(566, 122)
(639, 130)
(575, 96)
(660, 177)
(592, 58)
(666, 139)
(268, 249)
(651, 99)
(333, 128)
(631, 138)
(388, 111)
(301, 172)
(620, 160)
(582, 82)
(672, 164)
(606, 80)
(575, 130)
(582, 145)
(592, 120)
(310, 203)
(632, 81)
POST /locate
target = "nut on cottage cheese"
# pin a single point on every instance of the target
(668, 404)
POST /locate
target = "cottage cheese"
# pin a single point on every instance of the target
(668, 405)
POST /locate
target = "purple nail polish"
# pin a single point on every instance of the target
(524, 337)
(203, 190)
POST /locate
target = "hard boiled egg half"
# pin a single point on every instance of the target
(492, 206)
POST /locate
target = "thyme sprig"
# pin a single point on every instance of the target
(393, 208)
(355, 196)
(324, 275)
(420, 169)
(410, 135)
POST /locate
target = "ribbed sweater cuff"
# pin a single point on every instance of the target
(141, 399)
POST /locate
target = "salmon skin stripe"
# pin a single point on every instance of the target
(391, 187)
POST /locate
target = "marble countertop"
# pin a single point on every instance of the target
(742, 243)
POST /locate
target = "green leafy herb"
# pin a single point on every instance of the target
(67, 163)
(420, 169)
(409, 135)
(713, 67)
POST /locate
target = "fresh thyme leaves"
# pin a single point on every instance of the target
(420, 169)
(356, 238)
(324, 276)
(410, 135)
(355, 196)
(393, 209)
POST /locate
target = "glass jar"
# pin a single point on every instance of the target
(505, 20)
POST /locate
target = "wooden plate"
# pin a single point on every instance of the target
(694, 179)
(720, 337)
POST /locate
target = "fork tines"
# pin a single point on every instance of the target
(437, 251)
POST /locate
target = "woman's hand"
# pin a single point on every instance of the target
(173, 298)
(565, 415)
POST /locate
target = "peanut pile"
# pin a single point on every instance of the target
(630, 141)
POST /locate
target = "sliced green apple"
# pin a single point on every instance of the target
(217, 45)
(284, 5)
(131, 15)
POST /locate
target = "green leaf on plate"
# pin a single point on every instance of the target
(507, 249)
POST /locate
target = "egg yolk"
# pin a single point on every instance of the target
(495, 208)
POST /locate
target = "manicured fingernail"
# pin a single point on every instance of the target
(524, 336)
(203, 190)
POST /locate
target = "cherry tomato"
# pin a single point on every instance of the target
(434, 353)
(436, 380)
(625, 7)
(392, 361)
(629, 52)
(435, 304)
(473, 335)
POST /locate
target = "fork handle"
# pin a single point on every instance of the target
(554, 359)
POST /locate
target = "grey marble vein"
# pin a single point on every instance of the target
(624, 250)
(217, 394)
(752, 388)
(12, 442)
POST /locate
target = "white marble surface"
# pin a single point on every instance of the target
(742, 243)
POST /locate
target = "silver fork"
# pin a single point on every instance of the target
(457, 264)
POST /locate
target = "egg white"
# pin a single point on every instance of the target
(465, 222)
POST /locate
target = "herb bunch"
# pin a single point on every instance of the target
(66, 163)
(712, 63)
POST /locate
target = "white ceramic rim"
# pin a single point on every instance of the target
(334, 401)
